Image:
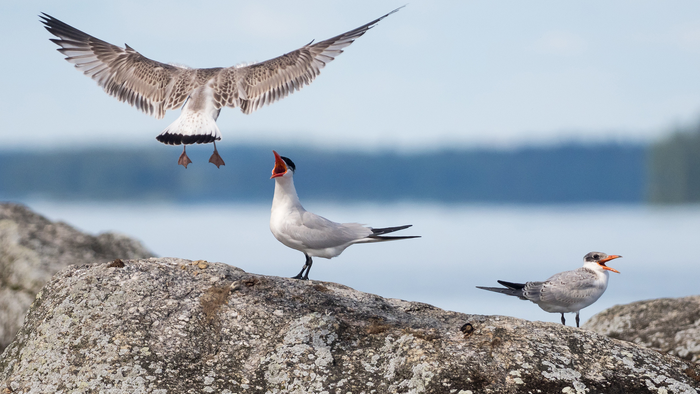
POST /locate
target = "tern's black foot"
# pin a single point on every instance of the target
(306, 267)
(216, 159)
(563, 321)
(184, 160)
(577, 320)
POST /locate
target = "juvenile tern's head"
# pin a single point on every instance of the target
(283, 166)
(597, 260)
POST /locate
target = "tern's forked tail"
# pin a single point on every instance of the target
(391, 238)
(378, 234)
(511, 289)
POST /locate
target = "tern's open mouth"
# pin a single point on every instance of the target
(280, 166)
(605, 260)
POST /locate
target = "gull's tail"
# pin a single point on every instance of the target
(191, 128)
(197, 122)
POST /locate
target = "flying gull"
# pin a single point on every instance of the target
(155, 87)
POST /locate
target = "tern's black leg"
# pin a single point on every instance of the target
(308, 264)
(298, 276)
(576, 319)
(307, 267)
(563, 321)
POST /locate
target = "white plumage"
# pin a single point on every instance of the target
(309, 233)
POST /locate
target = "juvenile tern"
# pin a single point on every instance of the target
(313, 235)
(155, 87)
(565, 292)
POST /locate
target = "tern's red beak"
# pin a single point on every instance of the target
(280, 166)
(605, 260)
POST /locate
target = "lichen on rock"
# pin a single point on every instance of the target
(670, 325)
(33, 248)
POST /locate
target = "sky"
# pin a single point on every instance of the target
(435, 74)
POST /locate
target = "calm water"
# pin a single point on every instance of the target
(462, 247)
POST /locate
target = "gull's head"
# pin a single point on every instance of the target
(283, 166)
(597, 261)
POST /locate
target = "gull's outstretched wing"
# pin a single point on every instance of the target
(266, 82)
(150, 86)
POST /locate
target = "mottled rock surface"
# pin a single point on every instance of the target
(176, 326)
(32, 249)
(670, 325)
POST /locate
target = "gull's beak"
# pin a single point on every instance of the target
(605, 260)
(280, 166)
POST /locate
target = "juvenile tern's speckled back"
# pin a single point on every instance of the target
(565, 292)
(309, 233)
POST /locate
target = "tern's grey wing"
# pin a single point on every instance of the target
(266, 82)
(317, 232)
(150, 86)
(570, 287)
(533, 291)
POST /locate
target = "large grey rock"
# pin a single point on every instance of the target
(32, 249)
(670, 325)
(175, 326)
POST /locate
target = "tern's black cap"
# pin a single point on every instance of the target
(289, 162)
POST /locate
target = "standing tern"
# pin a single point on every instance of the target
(155, 87)
(313, 235)
(565, 292)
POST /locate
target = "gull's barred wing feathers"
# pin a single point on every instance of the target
(148, 85)
(266, 82)
(155, 87)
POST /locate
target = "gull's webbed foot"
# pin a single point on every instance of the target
(184, 160)
(216, 159)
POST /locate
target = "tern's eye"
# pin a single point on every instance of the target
(596, 256)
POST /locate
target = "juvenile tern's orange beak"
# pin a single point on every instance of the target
(605, 260)
(280, 166)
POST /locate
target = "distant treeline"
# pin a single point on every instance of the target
(674, 169)
(560, 174)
